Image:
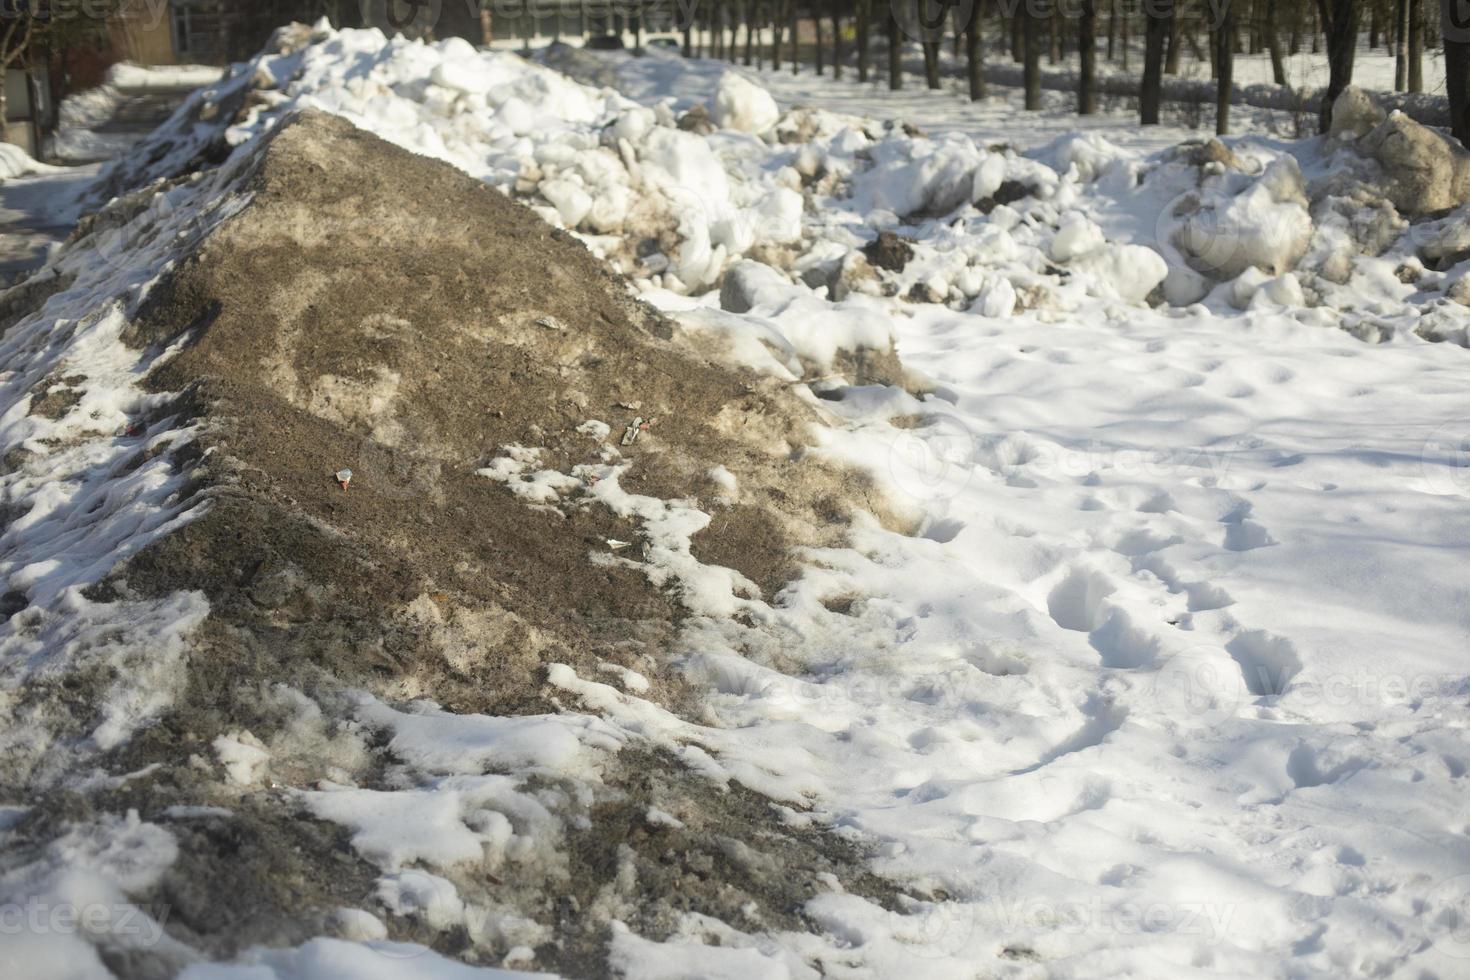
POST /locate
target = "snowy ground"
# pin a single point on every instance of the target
(103, 122)
(37, 209)
(1170, 679)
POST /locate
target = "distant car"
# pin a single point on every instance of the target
(662, 43)
(604, 42)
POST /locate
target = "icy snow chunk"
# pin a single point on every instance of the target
(722, 478)
(1354, 114)
(778, 216)
(1089, 154)
(420, 895)
(910, 176)
(1423, 170)
(1129, 272)
(634, 124)
(1265, 225)
(997, 299)
(750, 284)
(440, 742)
(988, 177)
(442, 823)
(571, 201)
(243, 756)
(1076, 236)
(461, 72)
(741, 104)
(358, 926)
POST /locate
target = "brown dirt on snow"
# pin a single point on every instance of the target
(381, 311)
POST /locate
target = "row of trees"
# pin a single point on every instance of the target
(1031, 30)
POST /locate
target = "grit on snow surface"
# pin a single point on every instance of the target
(1121, 630)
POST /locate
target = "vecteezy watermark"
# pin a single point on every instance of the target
(1454, 20)
(410, 17)
(36, 917)
(1446, 459)
(935, 462)
(935, 930)
(1202, 685)
(1208, 920)
(1447, 915)
(147, 13)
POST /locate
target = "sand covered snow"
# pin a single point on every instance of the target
(1140, 650)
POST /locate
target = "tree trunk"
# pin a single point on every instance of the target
(1126, 41)
(931, 63)
(778, 19)
(1340, 23)
(836, 37)
(752, 16)
(1031, 44)
(1087, 51)
(895, 54)
(1455, 28)
(795, 38)
(864, 12)
(688, 50)
(1053, 39)
(817, 22)
(1158, 24)
(1224, 66)
(1112, 30)
(975, 51)
(1018, 44)
(1401, 46)
(1273, 43)
(1171, 57)
(1416, 47)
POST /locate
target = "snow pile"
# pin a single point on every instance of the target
(15, 162)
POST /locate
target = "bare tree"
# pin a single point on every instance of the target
(1158, 22)
(1401, 46)
(751, 12)
(975, 51)
(1087, 52)
(1031, 49)
(864, 17)
(836, 8)
(1273, 43)
(1454, 24)
(931, 63)
(895, 53)
(1224, 65)
(1340, 24)
(817, 24)
(30, 26)
(1416, 47)
(791, 11)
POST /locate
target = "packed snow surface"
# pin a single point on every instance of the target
(1169, 679)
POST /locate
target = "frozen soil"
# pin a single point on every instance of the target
(377, 310)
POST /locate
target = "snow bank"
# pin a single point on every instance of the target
(15, 162)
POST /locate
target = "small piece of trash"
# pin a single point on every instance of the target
(132, 430)
(631, 434)
(617, 545)
(549, 322)
(344, 477)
